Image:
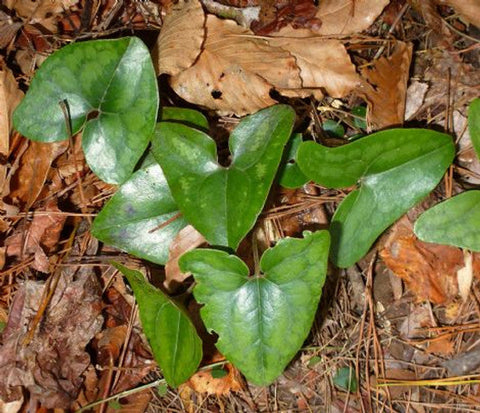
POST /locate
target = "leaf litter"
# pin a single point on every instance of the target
(317, 58)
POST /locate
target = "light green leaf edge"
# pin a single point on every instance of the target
(290, 175)
(176, 346)
(455, 221)
(395, 169)
(474, 124)
(114, 79)
(262, 321)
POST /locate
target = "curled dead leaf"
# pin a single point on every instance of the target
(348, 16)
(236, 71)
(385, 87)
(181, 38)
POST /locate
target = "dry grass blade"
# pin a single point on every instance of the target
(469, 10)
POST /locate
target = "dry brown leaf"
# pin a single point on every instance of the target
(236, 71)
(50, 368)
(469, 10)
(38, 237)
(29, 179)
(10, 96)
(428, 270)
(181, 37)
(187, 239)
(385, 86)
(348, 16)
(324, 64)
(43, 12)
(203, 382)
(444, 346)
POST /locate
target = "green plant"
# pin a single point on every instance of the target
(456, 221)
(261, 319)
(109, 91)
(393, 169)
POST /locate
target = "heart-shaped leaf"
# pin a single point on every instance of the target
(110, 90)
(262, 320)
(141, 218)
(223, 203)
(474, 124)
(453, 222)
(395, 169)
(290, 174)
(175, 344)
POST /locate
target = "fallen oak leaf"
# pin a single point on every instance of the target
(324, 63)
(181, 37)
(348, 16)
(236, 71)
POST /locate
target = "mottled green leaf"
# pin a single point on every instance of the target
(455, 221)
(110, 88)
(290, 174)
(359, 117)
(345, 379)
(141, 218)
(223, 203)
(262, 320)
(474, 124)
(394, 169)
(175, 344)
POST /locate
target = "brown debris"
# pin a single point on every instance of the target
(51, 366)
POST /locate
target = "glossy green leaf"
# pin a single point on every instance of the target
(345, 379)
(175, 344)
(189, 117)
(395, 169)
(110, 89)
(141, 218)
(263, 320)
(474, 124)
(224, 203)
(290, 174)
(455, 221)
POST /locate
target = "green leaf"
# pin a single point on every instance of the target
(453, 222)
(290, 174)
(110, 88)
(175, 344)
(162, 389)
(218, 373)
(345, 379)
(359, 118)
(224, 203)
(261, 320)
(314, 361)
(141, 218)
(334, 129)
(189, 117)
(474, 124)
(395, 169)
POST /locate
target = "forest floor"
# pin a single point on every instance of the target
(397, 332)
